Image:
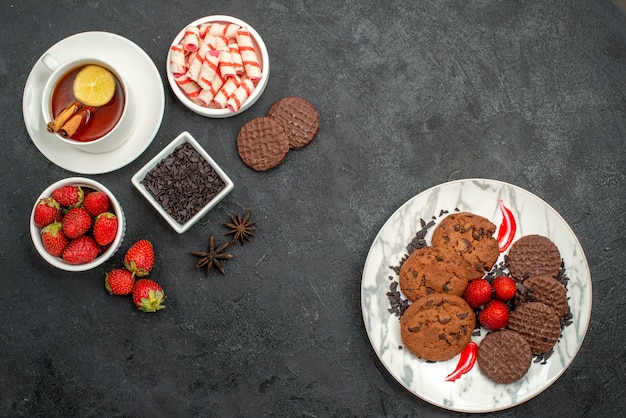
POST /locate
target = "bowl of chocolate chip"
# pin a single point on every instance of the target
(182, 182)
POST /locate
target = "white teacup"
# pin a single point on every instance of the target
(115, 136)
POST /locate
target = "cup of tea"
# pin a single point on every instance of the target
(85, 104)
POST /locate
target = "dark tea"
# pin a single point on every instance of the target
(102, 119)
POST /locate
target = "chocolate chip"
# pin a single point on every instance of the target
(183, 183)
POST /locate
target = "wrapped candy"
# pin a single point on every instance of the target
(248, 55)
(207, 94)
(187, 85)
(177, 62)
(235, 57)
(240, 95)
(226, 63)
(191, 38)
(228, 30)
(209, 68)
(224, 93)
(195, 65)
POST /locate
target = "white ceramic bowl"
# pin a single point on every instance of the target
(256, 93)
(141, 174)
(116, 208)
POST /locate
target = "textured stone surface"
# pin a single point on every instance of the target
(410, 95)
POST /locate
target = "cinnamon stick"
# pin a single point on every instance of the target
(63, 117)
(70, 127)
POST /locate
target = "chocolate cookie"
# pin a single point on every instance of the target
(547, 290)
(470, 236)
(532, 255)
(428, 270)
(262, 143)
(437, 327)
(538, 323)
(504, 356)
(299, 118)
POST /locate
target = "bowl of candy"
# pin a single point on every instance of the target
(218, 66)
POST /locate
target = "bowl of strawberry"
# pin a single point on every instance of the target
(77, 224)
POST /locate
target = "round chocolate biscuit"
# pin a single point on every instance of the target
(299, 118)
(547, 290)
(504, 356)
(429, 270)
(262, 143)
(437, 327)
(538, 323)
(532, 255)
(470, 236)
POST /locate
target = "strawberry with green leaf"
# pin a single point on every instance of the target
(119, 282)
(105, 228)
(53, 238)
(76, 222)
(148, 295)
(139, 258)
(68, 196)
(47, 211)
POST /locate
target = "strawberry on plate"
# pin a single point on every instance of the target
(81, 250)
(494, 316)
(68, 196)
(105, 228)
(477, 293)
(47, 211)
(139, 258)
(119, 282)
(505, 288)
(96, 202)
(53, 238)
(148, 295)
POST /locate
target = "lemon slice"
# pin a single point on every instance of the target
(94, 86)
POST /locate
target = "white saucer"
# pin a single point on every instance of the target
(142, 78)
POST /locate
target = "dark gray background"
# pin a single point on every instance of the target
(410, 95)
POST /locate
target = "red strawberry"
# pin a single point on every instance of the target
(148, 295)
(47, 211)
(81, 250)
(119, 282)
(105, 228)
(477, 293)
(96, 202)
(76, 222)
(505, 288)
(139, 258)
(68, 196)
(53, 238)
(494, 316)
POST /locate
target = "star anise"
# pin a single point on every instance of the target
(241, 228)
(212, 258)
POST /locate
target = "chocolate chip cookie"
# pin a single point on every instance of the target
(437, 327)
(429, 270)
(470, 236)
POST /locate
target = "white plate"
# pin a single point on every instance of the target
(147, 101)
(473, 392)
